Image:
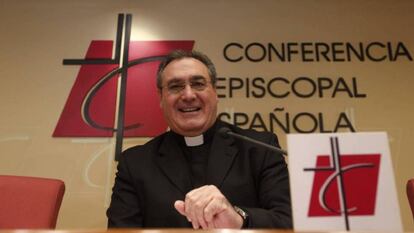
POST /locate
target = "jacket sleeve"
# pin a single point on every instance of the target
(124, 210)
(274, 195)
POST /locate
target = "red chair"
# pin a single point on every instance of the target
(410, 194)
(29, 202)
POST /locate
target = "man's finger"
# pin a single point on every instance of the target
(208, 213)
(200, 217)
(195, 224)
(211, 225)
(179, 206)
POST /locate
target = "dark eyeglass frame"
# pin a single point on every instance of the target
(197, 83)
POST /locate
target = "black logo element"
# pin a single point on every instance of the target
(122, 70)
(339, 171)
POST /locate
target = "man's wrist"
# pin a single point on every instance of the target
(244, 216)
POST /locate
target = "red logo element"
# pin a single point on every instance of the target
(360, 177)
(108, 87)
(344, 185)
(141, 102)
(71, 122)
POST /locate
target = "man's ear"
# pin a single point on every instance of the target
(217, 98)
(159, 96)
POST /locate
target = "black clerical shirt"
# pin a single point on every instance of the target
(197, 157)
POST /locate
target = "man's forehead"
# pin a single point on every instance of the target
(185, 68)
(191, 78)
(186, 62)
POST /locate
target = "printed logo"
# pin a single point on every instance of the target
(344, 184)
(117, 86)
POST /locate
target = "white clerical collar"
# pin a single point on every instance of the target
(194, 141)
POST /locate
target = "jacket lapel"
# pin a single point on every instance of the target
(172, 162)
(222, 154)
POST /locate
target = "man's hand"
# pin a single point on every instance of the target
(208, 208)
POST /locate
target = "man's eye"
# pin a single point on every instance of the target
(198, 85)
(175, 87)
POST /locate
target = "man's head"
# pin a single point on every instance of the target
(186, 84)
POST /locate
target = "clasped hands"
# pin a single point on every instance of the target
(207, 208)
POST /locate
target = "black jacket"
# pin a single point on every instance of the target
(152, 177)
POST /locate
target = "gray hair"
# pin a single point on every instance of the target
(180, 54)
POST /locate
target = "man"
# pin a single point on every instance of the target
(192, 176)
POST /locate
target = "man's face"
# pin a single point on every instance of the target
(188, 99)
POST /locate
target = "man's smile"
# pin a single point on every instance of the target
(189, 109)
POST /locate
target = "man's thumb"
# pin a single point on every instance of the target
(179, 206)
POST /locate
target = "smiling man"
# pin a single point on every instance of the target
(189, 109)
(192, 176)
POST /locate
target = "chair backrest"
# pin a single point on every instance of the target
(410, 194)
(29, 202)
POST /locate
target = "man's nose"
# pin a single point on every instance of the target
(188, 92)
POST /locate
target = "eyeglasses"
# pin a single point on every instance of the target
(176, 87)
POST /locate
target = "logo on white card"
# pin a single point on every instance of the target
(344, 184)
